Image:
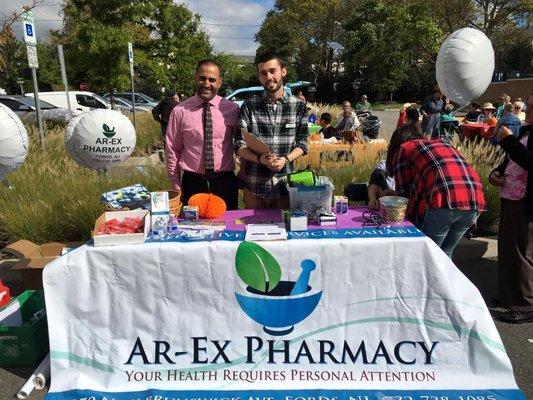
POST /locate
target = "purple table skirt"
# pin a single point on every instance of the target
(236, 220)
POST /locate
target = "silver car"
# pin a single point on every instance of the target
(24, 107)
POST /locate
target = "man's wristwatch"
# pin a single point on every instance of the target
(287, 158)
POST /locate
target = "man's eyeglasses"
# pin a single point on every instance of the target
(518, 108)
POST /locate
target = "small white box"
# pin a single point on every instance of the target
(126, 238)
(298, 223)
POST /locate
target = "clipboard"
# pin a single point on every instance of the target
(255, 144)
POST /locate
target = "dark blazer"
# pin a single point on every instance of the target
(521, 155)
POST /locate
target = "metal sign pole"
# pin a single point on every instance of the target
(63, 72)
(130, 59)
(38, 106)
(33, 62)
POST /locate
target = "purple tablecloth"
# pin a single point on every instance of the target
(236, 220)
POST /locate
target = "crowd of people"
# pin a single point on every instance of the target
(204, 133)
(446, 194)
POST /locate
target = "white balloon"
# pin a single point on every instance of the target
(100, 139)
(465, 65)
(13, 141)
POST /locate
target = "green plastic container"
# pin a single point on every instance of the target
(312, 128)
(25, 345)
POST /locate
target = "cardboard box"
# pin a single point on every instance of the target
(34, 257)
(127, 238)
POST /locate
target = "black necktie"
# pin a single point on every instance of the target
(208, 138)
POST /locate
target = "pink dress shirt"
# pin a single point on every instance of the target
(185, 137)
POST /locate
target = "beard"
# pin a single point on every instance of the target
(274, 88)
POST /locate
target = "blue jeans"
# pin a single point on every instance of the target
(446, 227)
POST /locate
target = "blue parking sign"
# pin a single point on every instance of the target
(29, 30)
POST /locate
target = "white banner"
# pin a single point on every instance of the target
(325, 319)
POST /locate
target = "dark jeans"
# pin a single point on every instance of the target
(515, 256)
(222, 184)
(446, 227)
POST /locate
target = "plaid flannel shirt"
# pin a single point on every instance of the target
(432, 174)
(282, 128)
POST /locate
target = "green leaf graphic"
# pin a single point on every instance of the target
(256, 266)
(108, 132)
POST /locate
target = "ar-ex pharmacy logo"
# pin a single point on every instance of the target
(277, 305)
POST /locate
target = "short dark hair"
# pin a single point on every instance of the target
(207, 61)
(475, 104)
(326, 117)
(267, 55)
(400, 136)
(412, 114)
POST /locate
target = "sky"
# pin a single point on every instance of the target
(231, 24)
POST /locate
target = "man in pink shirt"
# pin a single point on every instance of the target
(199, 140)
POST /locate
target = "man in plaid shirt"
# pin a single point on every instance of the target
(445, 192)
(280, 122)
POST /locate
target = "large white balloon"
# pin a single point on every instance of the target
(100, 139)
(465, 65)
(13, 141)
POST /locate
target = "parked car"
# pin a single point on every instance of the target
(141, 99)
(239, 95)
(80, 101)
(24, 107)
(127, 106)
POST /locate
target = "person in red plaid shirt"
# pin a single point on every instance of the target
(444, 191)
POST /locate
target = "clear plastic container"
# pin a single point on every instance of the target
(312, 198)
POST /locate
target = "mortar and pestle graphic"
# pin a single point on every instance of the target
(275, 304)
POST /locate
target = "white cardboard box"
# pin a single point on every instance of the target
(127, 238)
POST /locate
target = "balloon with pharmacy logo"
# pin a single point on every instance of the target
(465, 64)
(13, 142)
(100, 139)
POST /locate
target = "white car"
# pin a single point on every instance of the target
(80, 101)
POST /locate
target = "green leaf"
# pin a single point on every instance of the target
(257, 267)
(106, 128)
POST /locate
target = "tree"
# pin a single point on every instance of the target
(300, 31)
(503, 21)
(178, 43)
(167, 43)
(235, 73)
(385, 40)
(14, 62)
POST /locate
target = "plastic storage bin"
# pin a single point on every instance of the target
(312, 198)
(25, 345)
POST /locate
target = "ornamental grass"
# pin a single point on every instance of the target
(54, 199)
(484, 157)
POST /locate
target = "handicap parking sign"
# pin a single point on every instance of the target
(29, 33)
